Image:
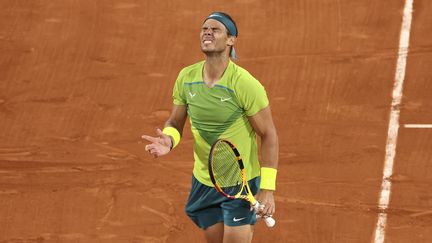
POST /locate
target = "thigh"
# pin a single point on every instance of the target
(238, 234)
(214, 233)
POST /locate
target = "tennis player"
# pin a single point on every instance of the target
(225, 101)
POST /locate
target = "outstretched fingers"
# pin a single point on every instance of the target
(151, 139)
(160, 133)
(159, 145)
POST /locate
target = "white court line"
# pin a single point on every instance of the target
(393, 127)
(418, 125)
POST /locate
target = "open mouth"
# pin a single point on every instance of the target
(207, 41)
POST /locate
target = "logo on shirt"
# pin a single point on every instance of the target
(225, 99)
(192, 95)
(238, 219)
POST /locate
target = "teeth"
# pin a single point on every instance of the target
(207, 42)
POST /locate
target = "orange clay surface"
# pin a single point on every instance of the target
(81, 81)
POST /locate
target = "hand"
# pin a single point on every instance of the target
(160, 145)
(266, 199)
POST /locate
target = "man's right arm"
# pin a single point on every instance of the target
(177, 119)
(163, 143)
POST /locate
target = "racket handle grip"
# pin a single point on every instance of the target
(268, 219)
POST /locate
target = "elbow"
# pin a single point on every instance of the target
(270, 137)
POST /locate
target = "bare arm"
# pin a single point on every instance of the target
(162, 144)
(177, 118)
(262, 122)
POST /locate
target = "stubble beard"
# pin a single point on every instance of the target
(214, 53)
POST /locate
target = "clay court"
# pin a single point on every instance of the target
(81, 81)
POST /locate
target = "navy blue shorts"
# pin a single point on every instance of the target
(207, 207)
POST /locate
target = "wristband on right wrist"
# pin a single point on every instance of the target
(175, 135)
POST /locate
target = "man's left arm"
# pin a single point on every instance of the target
(262, 122)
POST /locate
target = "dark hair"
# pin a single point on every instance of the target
(229, 17)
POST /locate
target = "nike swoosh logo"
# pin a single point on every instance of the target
(191, 95)
(238, 219)
(225, 99)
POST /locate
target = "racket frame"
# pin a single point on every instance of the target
(270, 222)
(244, 187)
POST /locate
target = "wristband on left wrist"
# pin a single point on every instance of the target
(268, 178)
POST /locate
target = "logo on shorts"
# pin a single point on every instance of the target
(225, 99)
(238, 219)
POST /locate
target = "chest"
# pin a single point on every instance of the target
(213, 105)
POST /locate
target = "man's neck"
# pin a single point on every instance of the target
(214, 67)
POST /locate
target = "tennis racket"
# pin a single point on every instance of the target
(228, 175)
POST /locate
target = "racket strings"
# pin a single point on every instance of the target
(226, 169)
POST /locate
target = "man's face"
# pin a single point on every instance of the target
(214, 37)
